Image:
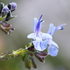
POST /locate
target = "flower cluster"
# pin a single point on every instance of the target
(6, 15)
(42, 41)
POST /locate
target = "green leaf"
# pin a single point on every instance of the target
(33, 63)
(9, 16)
(27, 62)
(24, 55)
(1, 18)
(1, 7)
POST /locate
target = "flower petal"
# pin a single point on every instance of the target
(40, 45)
(60, 27)
(53, 51)
(45, 36)
(38, 26)
(51, 29)
(54, 44)
(32, 35)
(35, 23)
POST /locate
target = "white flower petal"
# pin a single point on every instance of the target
(46, 36)
(32, 35)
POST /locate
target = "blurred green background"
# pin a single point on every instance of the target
(54, 11)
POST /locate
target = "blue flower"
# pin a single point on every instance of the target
(53, 47)
(39, 38)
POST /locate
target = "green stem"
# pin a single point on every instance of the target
(19, 52)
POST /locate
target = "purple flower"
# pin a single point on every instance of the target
(53, 47)
(39, 38)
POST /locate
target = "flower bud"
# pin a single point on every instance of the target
(31, 48)
(12, 6)
(5, 10)
(40, 55)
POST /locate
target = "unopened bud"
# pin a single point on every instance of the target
(5, 10)
(40, 56)
(12, 6)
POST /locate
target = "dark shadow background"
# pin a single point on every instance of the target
(54, 11)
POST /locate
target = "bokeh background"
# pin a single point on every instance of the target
(54, 11)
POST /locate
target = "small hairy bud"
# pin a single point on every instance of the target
(5, 10)
(12, 6)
